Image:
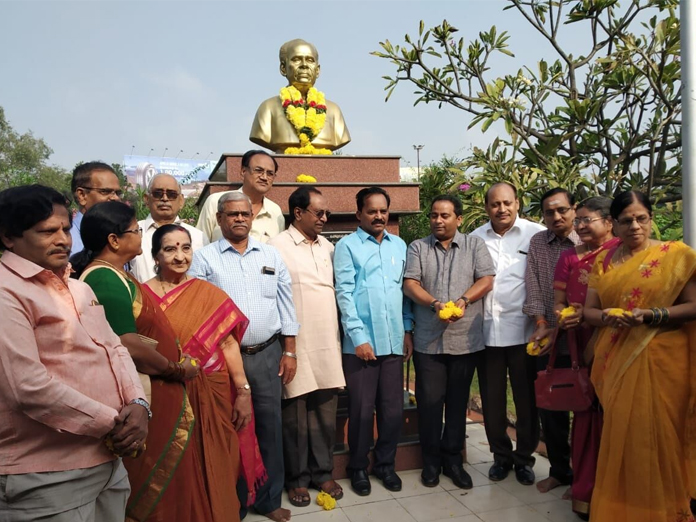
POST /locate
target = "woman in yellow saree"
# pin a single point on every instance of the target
(642, 296)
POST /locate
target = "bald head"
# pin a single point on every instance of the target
(502, 206)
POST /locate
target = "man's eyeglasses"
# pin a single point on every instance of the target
(627, 222)
(245, 214)
(552, 211)
(585, 221)
(106, 192)
(318, 213)
(159, 194)
(134, 231)
(260, 171)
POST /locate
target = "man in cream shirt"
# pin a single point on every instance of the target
(164, 199)
(258, 173)
(506, 330)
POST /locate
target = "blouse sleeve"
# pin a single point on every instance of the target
(562, 272)
(113, 295)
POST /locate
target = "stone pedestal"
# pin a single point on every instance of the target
(339, 178)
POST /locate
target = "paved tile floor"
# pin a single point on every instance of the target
(506, 501)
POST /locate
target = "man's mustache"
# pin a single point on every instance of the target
(378, 222)
(59, 251)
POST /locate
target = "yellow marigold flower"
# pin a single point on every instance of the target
(618, 312)
(306, 178)
(326, 501)
(450, 310)
(534, 350)
(566, 312)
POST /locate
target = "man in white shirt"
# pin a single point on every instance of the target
(506, 330)
(164, 199)
(258, 173)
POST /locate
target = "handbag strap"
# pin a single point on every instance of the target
(552, 353)
(572, 339)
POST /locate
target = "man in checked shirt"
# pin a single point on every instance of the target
(558, 207)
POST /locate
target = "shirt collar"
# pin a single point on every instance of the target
(364, 236)
(488, 227)
(263, 210)
(458, 240)
(224, 245)
(149, 222)
(297, 236)
(27, 269)
(572, 237)
(77, 219)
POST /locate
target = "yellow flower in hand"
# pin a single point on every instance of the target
(326, 501)
(567, 312)
(618, 312)
(534, 350)
(450, 310)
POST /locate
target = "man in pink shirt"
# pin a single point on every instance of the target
(66, 383)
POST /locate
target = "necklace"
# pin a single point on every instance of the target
(625, 251)
(172, 285)
(110, 265)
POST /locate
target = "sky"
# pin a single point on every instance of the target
(99, 79)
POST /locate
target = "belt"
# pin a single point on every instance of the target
(256, 348)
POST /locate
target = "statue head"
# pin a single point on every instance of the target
(299, 63)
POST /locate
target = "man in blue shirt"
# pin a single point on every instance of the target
(377, 324)
(254, 276)
(93, 182)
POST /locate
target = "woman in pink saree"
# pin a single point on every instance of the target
(594, 225)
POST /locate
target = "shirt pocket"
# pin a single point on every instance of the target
(93, 320)
(397, 270)
(269, 285)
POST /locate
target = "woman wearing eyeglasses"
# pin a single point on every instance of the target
(642, 297)
(210, 327)
(166, 483)
(594, 225)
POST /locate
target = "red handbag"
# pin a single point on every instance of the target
(564, 389)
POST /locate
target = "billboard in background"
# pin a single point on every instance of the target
(140, 169)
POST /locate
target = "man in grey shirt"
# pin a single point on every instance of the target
(446, 266)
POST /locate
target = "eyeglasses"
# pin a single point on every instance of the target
(318, 213)
(105, 191)
(260, 171)
(245, 214)
(585, 221)
(552, 211)
(641, 220)
(159, 194)
(134, 231)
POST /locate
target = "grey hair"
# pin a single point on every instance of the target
(232, 196)
(159, 175)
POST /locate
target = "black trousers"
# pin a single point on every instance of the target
(266, 391)
(499, 362)
(556, 426)
(374, 385)
(309, 433)
(443, 382)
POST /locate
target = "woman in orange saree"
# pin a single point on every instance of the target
(165, 483)
(642, 295)
(209, 326)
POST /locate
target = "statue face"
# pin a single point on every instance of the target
(301, 67)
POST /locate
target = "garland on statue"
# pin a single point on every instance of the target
(306, 116)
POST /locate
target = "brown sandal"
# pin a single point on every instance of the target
(332, 488)
(299, 497)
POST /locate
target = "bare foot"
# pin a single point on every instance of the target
(279, 515)
(546, 485)
(568, 494)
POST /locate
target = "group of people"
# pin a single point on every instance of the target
(236, 336)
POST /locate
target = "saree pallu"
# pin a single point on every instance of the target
(573, 275)
(643, 377)
(165, 484)
(203, 315)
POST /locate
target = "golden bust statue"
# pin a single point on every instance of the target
(299, 63)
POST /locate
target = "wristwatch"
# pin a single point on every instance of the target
(144, 404)
(245, 387)
(292, 355)
(466, 301)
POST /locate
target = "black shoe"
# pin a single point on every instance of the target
(498, 471)
(459, 477)
(360, 482)
(389, 478)
(430, 476)
(524, 475)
